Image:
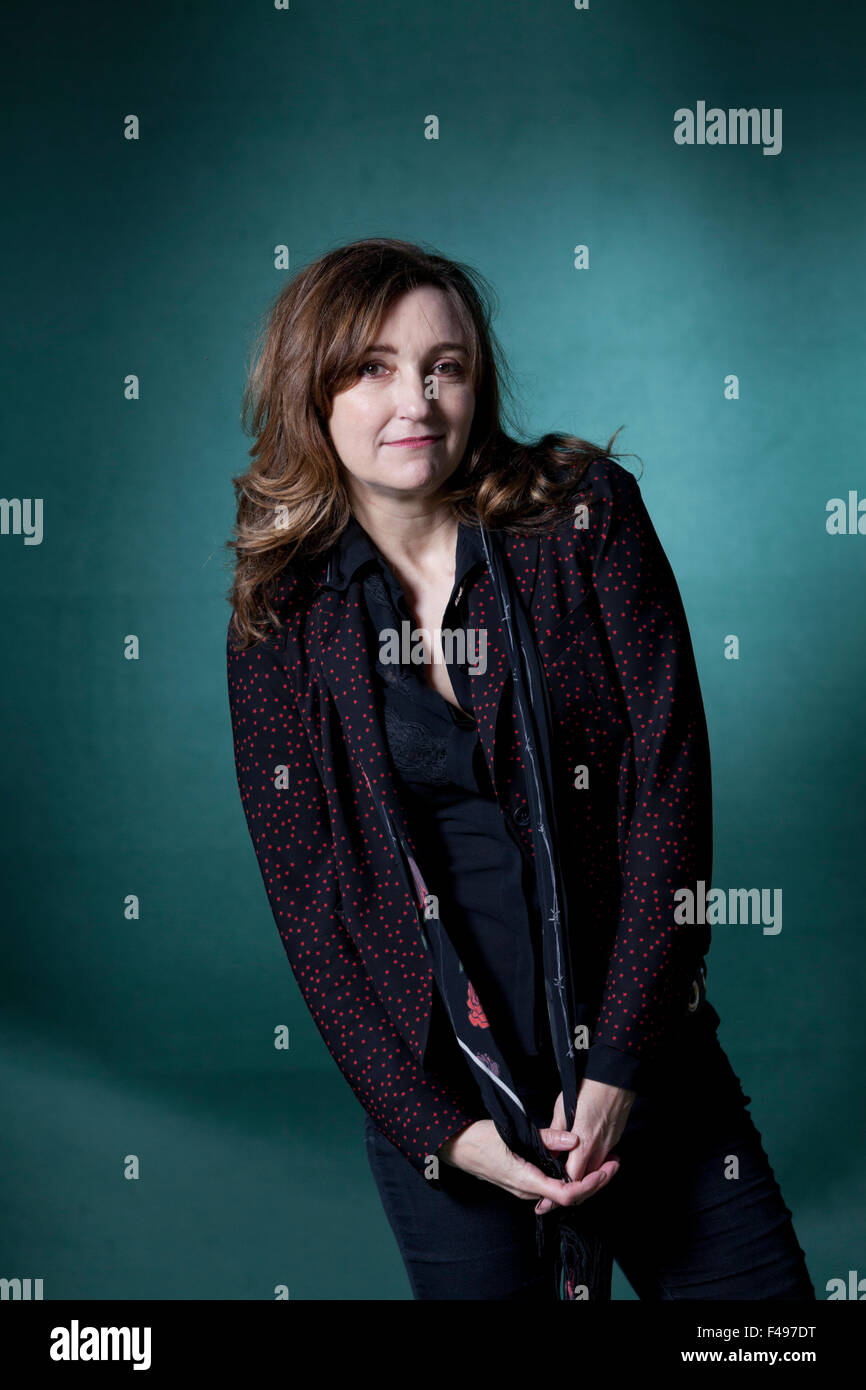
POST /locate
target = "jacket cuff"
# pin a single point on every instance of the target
(612, 1065)
(458, 1121)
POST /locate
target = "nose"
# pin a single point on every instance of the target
(410, 398)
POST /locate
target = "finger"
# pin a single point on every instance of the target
(546, 1204)
(533, 1183)
(576, 1192)
(529, 1182)
(573, 1193)
(558, 1138)
(579, 1165)
(585, 1160)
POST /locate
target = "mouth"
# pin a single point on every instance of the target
(417, 441)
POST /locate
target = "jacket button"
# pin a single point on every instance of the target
(521, 815)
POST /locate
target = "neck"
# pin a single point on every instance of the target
(418, 540)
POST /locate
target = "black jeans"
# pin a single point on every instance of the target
(679, 1225)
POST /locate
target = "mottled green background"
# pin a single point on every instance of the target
(306, 127)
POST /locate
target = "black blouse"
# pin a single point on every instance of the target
(469, 855)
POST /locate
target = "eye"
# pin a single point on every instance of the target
(364, 370)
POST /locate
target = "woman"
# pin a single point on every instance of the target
(472, 755)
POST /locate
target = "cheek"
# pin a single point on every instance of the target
(458, 416)
(355, 426)
(461, 408)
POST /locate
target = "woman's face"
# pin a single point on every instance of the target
(394, 437)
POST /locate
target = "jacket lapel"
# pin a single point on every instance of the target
(337, 650)
(341, 652)
(483, 613)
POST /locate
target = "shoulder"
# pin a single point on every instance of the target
(605, 485)
(290, 601)
(606, 495)
(609, 481)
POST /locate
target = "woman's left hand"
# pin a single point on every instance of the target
(599, 1120)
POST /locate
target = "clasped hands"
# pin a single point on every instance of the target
(600, 1118)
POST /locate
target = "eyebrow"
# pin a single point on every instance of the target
(437, 347)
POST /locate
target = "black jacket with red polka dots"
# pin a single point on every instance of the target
(631, 786)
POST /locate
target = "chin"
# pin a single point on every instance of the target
(414, 476)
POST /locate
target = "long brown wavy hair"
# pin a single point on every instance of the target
(292, 501)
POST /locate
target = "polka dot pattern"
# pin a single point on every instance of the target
(625, 704)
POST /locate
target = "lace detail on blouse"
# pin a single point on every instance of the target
(418, 755)
(374, 585)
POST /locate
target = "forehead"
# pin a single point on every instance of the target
(424, 312)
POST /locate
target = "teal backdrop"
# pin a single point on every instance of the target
(304, 127)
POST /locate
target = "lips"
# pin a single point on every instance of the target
(414, 442)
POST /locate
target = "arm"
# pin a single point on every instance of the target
(665, 817)
(290, 831)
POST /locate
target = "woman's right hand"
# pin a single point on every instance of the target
(480, 1150)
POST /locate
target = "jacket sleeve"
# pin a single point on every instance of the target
(665, 793)
(290, 831)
